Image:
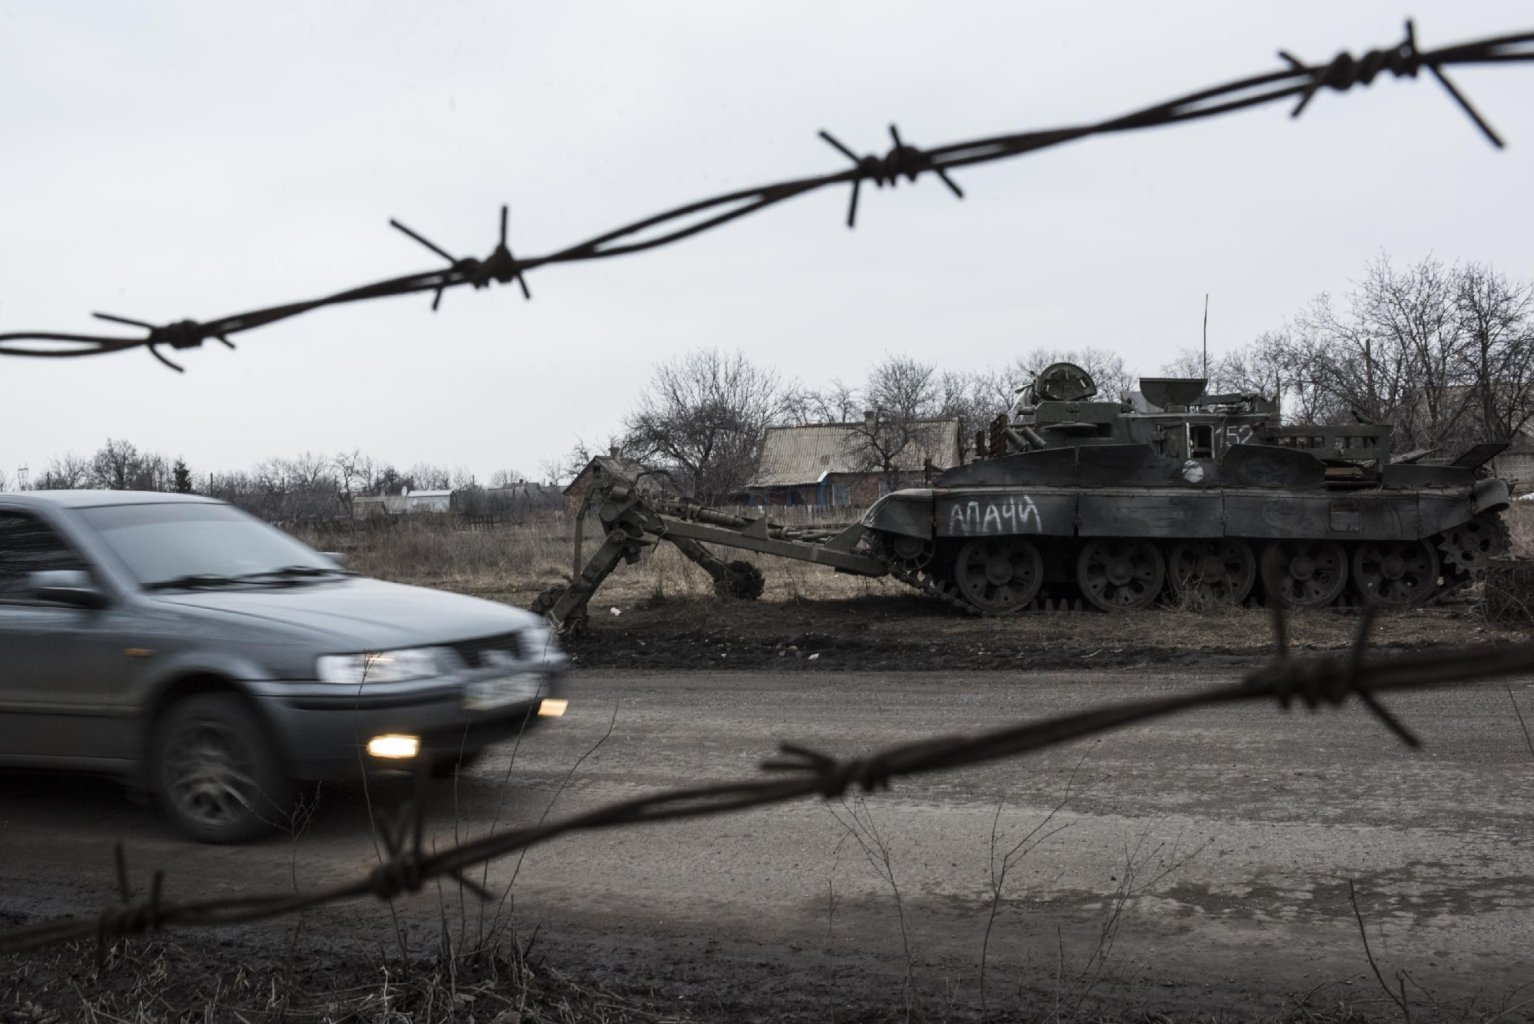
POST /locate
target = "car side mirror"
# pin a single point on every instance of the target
(73, 587)
(338, 557)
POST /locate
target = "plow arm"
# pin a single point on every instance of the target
(633, 520)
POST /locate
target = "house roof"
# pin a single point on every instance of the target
(614, 464)
(792, 456)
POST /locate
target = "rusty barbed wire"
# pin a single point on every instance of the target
(799, 772)
(1299, 81)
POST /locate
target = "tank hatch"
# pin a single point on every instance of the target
(1064, 382)
(1172, 392)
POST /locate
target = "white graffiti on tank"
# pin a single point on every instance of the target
(1001, 516)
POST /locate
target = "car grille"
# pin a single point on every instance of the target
(473, 652)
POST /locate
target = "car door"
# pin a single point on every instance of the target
(63, 670)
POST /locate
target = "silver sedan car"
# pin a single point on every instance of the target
(219, 661)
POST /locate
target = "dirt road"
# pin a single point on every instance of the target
(1204, 862)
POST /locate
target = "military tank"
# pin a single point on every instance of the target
(1170, 492)
(1174, 491)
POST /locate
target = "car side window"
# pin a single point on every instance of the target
(29, 545)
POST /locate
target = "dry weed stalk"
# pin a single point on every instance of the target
(859, 826)
(1010, 858)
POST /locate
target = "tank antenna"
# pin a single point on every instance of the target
(1206, 335)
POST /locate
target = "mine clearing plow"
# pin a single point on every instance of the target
(635, 516)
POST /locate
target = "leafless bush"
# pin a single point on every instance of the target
(1519, 518)
(858, 821)
(1507, 595)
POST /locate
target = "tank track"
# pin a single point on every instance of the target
(935, 586)
(932, 586)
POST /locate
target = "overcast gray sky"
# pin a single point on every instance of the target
(170, 160)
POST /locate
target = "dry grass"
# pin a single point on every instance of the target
(162, 980)
(440, 551)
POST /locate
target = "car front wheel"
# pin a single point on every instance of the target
(216, 774)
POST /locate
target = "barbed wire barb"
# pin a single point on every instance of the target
(1403, 61)
(1298, 81)
(900, 160)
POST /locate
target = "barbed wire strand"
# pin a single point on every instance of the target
(799, 772)
(1298, 81)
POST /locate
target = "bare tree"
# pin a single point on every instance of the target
(65, 472)
(356, 472)
(551, 472)
(114, 465)
(310, 487)
(1272, 366)
(906, 402)
(1497, 319)
(425, 476)
(1188, 364)
(836, 403)
(506, 477)
(241, 489)
(703, 418)
(120, 466)
(1411, 314)
(1444, 354)
(1278, 365)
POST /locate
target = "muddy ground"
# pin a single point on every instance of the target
(902, 632)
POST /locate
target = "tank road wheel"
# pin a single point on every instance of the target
(1304, 573)
(1221, 569)
(998, 574)
(1119, 572)
(1395, 572)
(909, 553)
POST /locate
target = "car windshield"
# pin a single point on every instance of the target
(198, 544)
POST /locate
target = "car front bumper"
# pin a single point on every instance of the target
(323, 730)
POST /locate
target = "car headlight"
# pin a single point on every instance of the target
(379, 666)
(538, 640)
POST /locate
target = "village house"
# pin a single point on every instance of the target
(1516, 464)
(368, 506)
(830, 464)
(575, 492)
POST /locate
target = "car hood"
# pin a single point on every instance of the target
(360, 613)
